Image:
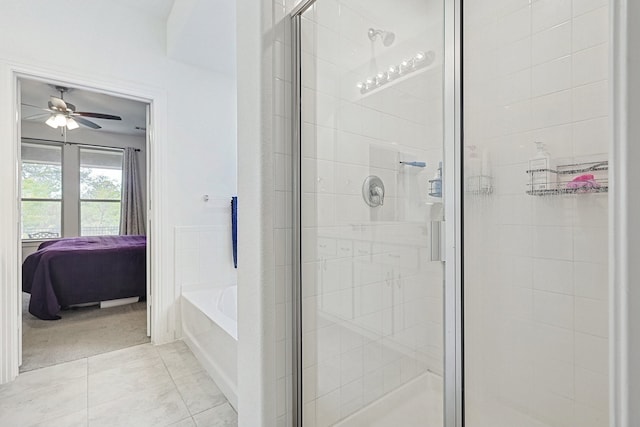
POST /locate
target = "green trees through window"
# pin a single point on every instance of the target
(100, 182)
(41, 180)
(100, 192)
(41, 191)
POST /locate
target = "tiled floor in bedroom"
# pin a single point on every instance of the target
(138, 386)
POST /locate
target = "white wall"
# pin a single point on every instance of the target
(204, 256)
(123, 45)
(126, 48)
(202, 33)
(536, 292)
(255, 386)
(264, 344)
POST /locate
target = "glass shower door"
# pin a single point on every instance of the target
(371, 152)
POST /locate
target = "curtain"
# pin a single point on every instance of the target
(131, 207)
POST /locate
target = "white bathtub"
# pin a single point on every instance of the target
(210, 329)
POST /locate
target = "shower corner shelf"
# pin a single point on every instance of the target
(564, 179)
(479, 185)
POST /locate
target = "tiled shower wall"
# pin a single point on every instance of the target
(536, 267)
(372, 302)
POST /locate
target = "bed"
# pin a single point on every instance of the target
(79, 270)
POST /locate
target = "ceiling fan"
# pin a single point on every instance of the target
(62, 114)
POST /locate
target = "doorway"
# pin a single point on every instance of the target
(74, 188)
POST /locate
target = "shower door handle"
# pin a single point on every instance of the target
(437, 231)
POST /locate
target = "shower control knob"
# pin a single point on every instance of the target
(373, 191)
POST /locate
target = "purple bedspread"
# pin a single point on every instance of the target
(79, 270)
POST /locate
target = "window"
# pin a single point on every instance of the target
(80, 198)
(41, 191)
(100, 191)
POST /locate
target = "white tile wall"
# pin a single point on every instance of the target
(551, 43)
(536, 268)
(549, 13)
(203, 257)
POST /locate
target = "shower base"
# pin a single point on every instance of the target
(417, 403)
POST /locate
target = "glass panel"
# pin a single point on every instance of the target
(100, 174)
(372, 132)
(41, 219)
(100, 191)
(41, 171)
(99, 218)
(41, 179)
(535, 243)
(41, 153)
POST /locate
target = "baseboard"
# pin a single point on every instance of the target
(118, 302)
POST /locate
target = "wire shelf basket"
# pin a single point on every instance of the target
(478, 184)
(577, 178)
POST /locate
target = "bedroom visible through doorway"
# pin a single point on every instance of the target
(83, 223)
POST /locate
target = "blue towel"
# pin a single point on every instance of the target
(234, 229)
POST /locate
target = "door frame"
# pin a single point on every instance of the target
(76, 216)
(453, 190)
(159, 291)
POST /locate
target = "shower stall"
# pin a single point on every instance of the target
(447, 271)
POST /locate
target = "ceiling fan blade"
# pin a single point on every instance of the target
(33, 106)
(38, 108)
(57, 103)
(87, 123)
(38, 116)
(97, 115)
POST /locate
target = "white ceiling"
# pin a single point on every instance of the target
(133, 113)
(200, 32)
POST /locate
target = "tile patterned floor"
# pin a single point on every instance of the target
(139, 386)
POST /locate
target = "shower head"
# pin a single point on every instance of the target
(387, 36)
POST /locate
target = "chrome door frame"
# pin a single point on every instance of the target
(453, 190)
(296, 154)
(452, 195)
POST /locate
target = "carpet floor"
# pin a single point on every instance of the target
(82, 332)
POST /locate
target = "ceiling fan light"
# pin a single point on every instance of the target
(61, 120)
(72, 124)
(51, 121)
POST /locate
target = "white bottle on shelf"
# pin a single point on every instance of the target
(474, 170)
(542, 171)
(436, 183)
